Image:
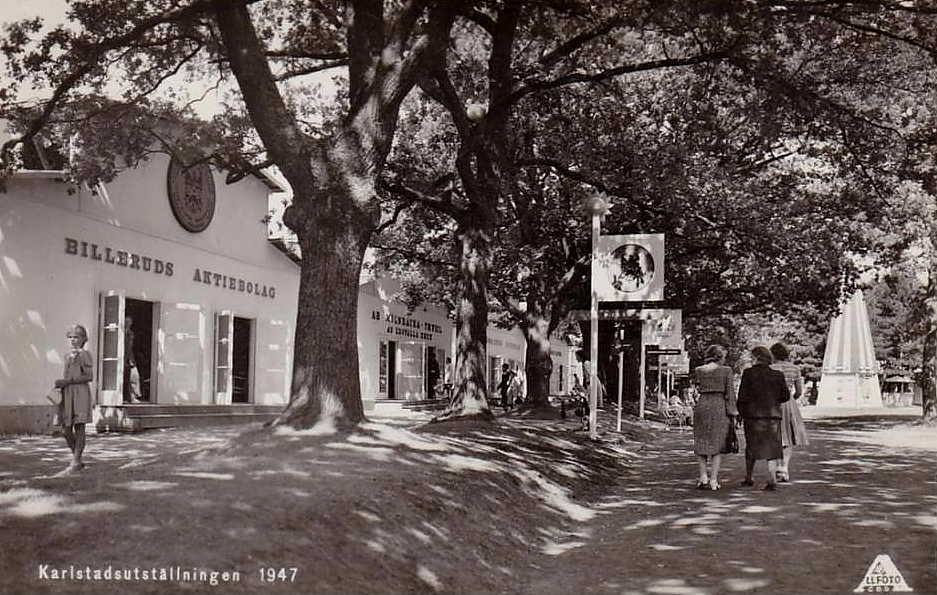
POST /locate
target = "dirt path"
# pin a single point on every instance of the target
(519, 507)
(851, 500)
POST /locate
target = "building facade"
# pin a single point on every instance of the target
(189, 308)
(402, 352)
(170, 272)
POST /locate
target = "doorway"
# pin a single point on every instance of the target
(241, 361)
(138, 350)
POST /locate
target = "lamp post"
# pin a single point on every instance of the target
(476, 111)
(596, 206)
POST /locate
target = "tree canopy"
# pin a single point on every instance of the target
(763, 137)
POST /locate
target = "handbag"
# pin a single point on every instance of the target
(55, 396)
(732, 441)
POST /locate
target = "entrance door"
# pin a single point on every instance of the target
(410, 371)
(138, 343)
(224, 348)
(242, 357)
(391, 369)
(126, 339)
(234, 357)
(111, 342)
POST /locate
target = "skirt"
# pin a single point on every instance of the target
(710, 424)
(76, 405)
(763, 438)
(793, 432)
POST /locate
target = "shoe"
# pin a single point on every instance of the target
(783, 477)
(702, 485)
(748, 483)
(714, 485)
(771, 485)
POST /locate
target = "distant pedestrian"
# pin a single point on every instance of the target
(131, 383)
(506, 377)
(517, 390)
(75, 409)
(793, 431)
(432, 377)
(447, 379)
(713, 415)
(761, 393)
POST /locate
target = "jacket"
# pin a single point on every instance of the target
(761, 392)
(714, 378)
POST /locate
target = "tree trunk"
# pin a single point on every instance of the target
(470, 389)
(928, 377)
(335, 204)
(539, 365)
(324, 389)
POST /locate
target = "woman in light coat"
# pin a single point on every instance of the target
(793, 431)
(713, 415)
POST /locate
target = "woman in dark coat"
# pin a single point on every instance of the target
(713, 415)
(761, 392)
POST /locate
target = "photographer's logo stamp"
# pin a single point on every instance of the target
(883, 577)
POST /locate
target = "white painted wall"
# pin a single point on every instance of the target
(46, 284)
(382, 318)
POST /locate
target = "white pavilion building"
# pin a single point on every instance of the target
(850, 369)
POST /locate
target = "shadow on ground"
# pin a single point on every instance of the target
(386, 509)
(851, 500)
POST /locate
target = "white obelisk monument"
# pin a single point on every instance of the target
(850, 369)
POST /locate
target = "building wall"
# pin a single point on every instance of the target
(67, 255)
(393, 341)
(61, 251)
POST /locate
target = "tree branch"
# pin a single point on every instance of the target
(574, 78)
(100, 49)
(567, 172)
(411, 195)
(274, 123)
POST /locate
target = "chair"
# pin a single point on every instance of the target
(673, 416)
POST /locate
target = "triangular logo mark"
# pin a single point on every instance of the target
(883, 577)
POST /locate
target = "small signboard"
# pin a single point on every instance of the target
(629, 268)
(664, 352)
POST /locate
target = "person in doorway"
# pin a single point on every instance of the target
(518, 389)
(433, 376)
(577, 388)
(761, 393)
(447, 379)
(506, 376)
(793, 431)
(75, 408)
(713, 415)
(131, 374)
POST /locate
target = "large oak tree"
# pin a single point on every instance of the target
(134, 52)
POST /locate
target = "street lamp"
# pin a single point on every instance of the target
(595, 205)
(476, 111)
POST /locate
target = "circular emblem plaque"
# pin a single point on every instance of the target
(191, 195)
(631, 269)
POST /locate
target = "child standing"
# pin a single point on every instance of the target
(75, 410)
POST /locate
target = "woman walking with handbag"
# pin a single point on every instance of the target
(713, 415)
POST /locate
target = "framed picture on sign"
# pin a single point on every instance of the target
(630, 268)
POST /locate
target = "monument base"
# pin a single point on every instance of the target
(849, 391)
